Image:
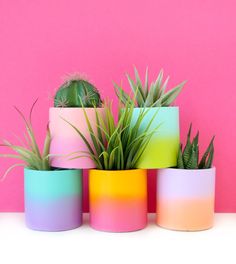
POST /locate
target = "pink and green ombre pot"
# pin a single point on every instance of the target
(65, 140)
(162, 150)
(185, 199)
(53, 199)
(118, 200)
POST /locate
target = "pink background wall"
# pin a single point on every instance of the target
(41, 40)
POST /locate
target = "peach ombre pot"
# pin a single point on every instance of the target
(185, 199)
(65, 140)
(118, 200)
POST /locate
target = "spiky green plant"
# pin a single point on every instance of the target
(116, 145)
(28, 150)
(75, 90)
(188, 158)
(153, 95)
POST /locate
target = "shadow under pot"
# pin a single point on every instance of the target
(118, 200)
(66, 143)
(162, 149)
(53, 199)
(185, 199)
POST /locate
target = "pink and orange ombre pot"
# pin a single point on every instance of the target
(118, 200)
(185, 199)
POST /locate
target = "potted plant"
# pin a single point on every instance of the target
(162, 149)
(53, 198)
(74, 94)
(117, 190)
(185, 194)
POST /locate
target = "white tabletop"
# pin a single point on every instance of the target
(85, 245)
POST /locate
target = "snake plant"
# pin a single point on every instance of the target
(153, 95)
(188, 157)
(115, 145)
(75, 90)
(28, 150)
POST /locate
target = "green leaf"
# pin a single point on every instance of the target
(171, 95)
(180, 162)
(188, 148)
(210, 159)
(145, 91)
(205, 155)
(137, 90)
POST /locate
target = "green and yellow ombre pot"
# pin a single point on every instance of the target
(53, 199)
(162, 150)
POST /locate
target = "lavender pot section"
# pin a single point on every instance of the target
(180, 183)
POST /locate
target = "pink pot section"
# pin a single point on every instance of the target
(185, 199)
(65, 140)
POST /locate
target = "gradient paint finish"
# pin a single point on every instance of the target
(162, 150)
(53, 199)
(65, 140)
(185, 199)
(118, 200)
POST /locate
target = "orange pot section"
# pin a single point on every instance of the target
(118, 200)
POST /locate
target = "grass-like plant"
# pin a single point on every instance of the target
(116, 145)
(153, 95)
(28, 150)
(188, 158)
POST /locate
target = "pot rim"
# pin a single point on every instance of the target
(158, 107)
(113, 171)
(78, 108)
(213, 168)
(58, 171)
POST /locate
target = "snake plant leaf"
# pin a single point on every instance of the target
(188, 147)
(189, 157)
(180, 162)
(206, 153)
(192, 163)
(209, 161)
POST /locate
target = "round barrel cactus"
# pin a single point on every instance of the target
(77, 92)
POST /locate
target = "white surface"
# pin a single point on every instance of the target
(85, 245)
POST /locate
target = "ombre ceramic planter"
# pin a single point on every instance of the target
(118, 200)
(185, 199)
(53, 199)
(65, 140)
(162, 150)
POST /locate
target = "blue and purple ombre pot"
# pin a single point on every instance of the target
(53, 199)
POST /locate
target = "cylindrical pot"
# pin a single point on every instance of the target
(185, 199)
(162, 150)
(53, 199)
(118, 200)
(65, 140)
